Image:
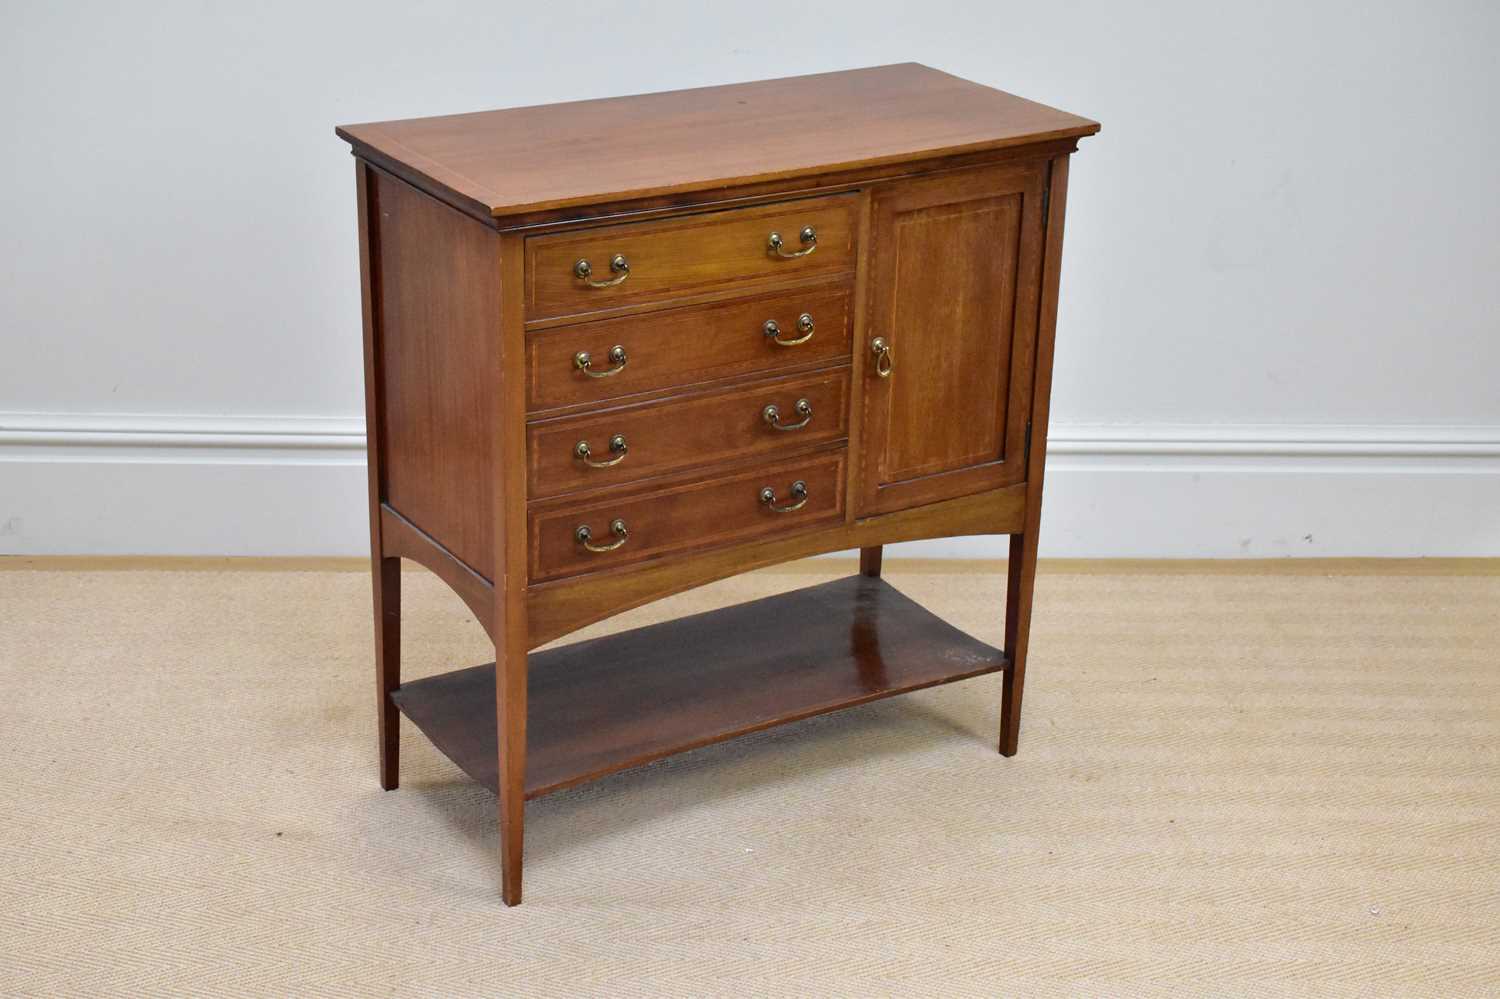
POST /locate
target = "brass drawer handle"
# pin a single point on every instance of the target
(582, 361)
(804, 326)
(799, 493)
(882, 352)
(617, 446)
(583, 271)
(584, 536)
(808, 235)
(772, 415)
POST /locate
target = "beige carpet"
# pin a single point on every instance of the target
(1231, 782)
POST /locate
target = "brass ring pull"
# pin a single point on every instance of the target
(808, 235)
(583, 271)
(584, 536)
(617, 446)
(583, 362)
(772, 415)
(804, 326)
(799, 493)
(882, 352)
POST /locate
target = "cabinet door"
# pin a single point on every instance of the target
(954, 292)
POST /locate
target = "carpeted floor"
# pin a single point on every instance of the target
(1233, 780)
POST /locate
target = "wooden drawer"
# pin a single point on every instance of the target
(684, 346)
(687, 516)
(687, 254)
(682, 432)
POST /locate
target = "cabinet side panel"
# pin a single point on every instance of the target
(439, 306)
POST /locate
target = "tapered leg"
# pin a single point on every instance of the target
(509, 627)
(1021, 570)
(386, 573)
(869, 561)
(510, 719)
(1020, 579)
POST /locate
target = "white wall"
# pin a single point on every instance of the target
(1280, 328)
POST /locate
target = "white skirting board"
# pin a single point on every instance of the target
(174, 485)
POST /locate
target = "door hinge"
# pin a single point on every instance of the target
(1026, 461)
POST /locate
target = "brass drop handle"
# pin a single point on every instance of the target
(799, 494)
(584, 536)
(804, 326)
(583, 362)
(772, 415)
(584, 271)
(882, 352)
(617, 447)
(808, 235)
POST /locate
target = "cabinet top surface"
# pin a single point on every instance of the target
(563, 155)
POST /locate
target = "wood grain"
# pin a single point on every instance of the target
(404, 539)
(1021, 567)
(438, 295)
(385, 574)
(718, 429)
(610, 703)
(512, 161)
(556, 609)
(706, 512)
(927, 194)
(954, 294)
(689, 253)
(505, 428)
(684, 346)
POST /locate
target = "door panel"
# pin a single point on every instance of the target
(954, 297)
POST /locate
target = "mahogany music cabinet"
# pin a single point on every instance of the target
(616, 349)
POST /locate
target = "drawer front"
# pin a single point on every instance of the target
(688, 516)
(679, 433)
(684, 346)
(687, 255)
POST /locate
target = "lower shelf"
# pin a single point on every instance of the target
(611, 703)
